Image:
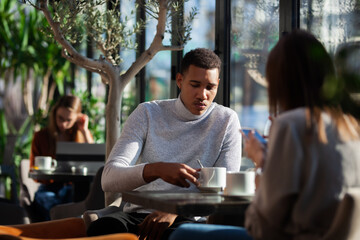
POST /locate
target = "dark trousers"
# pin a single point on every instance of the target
(50, 195)
(122, 222)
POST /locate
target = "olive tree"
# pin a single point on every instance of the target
(69, 19)
(31, 68)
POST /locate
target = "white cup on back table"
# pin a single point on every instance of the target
(212, 179)
(44, 163)
(240, 183)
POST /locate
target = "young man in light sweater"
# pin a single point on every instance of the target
(161, 142)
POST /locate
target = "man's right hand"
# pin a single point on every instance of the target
(174, 173)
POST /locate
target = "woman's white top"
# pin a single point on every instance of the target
(303, 180)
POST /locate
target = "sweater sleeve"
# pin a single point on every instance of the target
(270, 212)
(230, 155)
(121, 172)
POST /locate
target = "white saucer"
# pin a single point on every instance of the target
(44, 169)
(210, 189)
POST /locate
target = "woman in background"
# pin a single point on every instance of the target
(312, 156)
(66, 123)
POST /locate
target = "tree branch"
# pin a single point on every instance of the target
(102, 49)
(155, 46)
(73, 55)
(171, 48)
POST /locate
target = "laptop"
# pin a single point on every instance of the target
(72, 155)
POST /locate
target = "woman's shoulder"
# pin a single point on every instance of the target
(292, 120)
(44, 132)
(295, 116)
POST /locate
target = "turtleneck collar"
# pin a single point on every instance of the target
(184, 113)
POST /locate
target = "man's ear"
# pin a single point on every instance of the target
(179, 79)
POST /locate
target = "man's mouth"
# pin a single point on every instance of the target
(200, 105)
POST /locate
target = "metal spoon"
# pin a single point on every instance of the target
(200, 163)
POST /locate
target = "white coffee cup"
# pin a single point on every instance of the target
(44, 163)
(212, 178)
(240, 183)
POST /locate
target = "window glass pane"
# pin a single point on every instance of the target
(203, 35)
(333, 22)
(157, 74)
(336, 23)
(254, 31)
(157, 77)
(203, 26)
(129, 98)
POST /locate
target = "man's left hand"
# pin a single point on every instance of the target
(154, 225)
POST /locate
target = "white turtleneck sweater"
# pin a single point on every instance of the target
(166, 131)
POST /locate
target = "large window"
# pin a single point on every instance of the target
(254, 31)
(334, 22)
(252, 28)
(158, 69)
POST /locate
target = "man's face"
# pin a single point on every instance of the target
(198, 88)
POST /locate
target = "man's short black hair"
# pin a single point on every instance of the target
(202, 58)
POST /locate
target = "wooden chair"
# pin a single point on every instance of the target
(28, 188)
(68, 228)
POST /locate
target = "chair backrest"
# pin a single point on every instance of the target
(96, 197)
(8, 171)
(28, 186)
(93, 201)
(12, 213)
(347, 219)
(354, 229)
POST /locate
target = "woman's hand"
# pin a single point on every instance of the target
(83, 126)
(254, 149)
(82, 121)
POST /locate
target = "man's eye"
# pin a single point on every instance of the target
(195, 85)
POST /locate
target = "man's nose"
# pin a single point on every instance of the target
(202, 93)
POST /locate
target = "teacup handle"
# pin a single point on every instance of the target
(54, 163)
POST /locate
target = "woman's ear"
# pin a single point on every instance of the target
(179, 79)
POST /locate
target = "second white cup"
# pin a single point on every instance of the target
(240, 183)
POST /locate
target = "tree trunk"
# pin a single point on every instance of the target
(113, 107)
